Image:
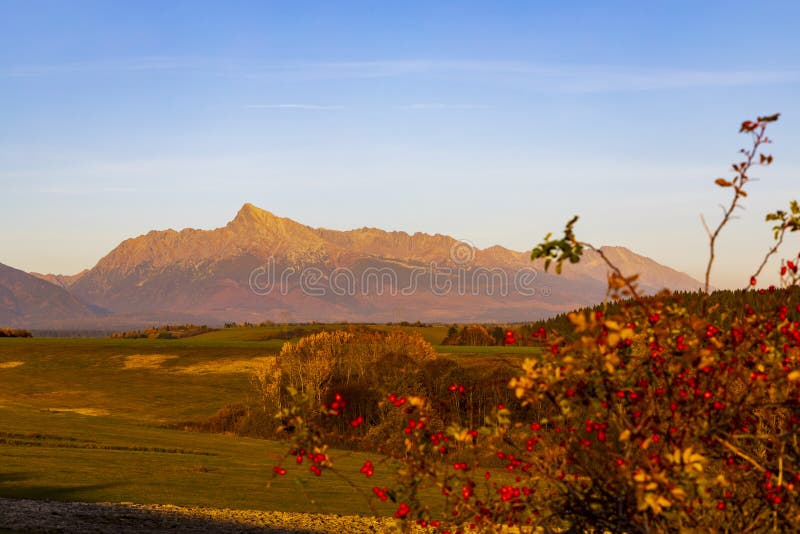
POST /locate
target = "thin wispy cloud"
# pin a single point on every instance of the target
(559, 77)
(82, 190)
(139, 64)
(313, 107)
(548, 77)
(434, 106)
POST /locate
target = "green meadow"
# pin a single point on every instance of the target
(99, 420)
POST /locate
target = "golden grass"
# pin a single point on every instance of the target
(226, 366)
(217, 366)
(146, 361)
(94, 412)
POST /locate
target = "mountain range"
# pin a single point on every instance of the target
(261, 266)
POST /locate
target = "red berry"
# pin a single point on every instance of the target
(358, 421)
(402, 511)
(367, 469)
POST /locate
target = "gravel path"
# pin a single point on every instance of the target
(24, 515)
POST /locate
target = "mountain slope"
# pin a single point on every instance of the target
(26, 300)
(261, 266)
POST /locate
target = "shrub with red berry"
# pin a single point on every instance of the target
(650, 414)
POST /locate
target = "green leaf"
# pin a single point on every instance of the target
(566, 249)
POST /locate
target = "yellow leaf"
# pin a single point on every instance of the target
(656, 502)
(678, 493)
(626, 333)
(418, 402)
(460, 435)
(579, 320)
(615, 281)
(793, 376)
(625, 435)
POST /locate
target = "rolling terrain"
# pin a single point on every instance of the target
(93, 420)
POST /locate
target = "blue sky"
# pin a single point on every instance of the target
(489, 121)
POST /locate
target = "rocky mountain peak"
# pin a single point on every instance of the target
(250, 215)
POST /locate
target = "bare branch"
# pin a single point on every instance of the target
(756, 130)
(769, 253)
(619, 274)
(705, 225)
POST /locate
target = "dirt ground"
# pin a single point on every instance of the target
(21, 515)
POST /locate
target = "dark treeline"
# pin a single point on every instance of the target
(15, 332)
(71, 333)
(736, 301)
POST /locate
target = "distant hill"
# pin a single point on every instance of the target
(26, 300)
(327, 275)
(61, 280)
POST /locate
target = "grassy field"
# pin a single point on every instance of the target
(89, 420)
(147, 380)
(105, 458)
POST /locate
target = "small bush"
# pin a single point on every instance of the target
(229, 419)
